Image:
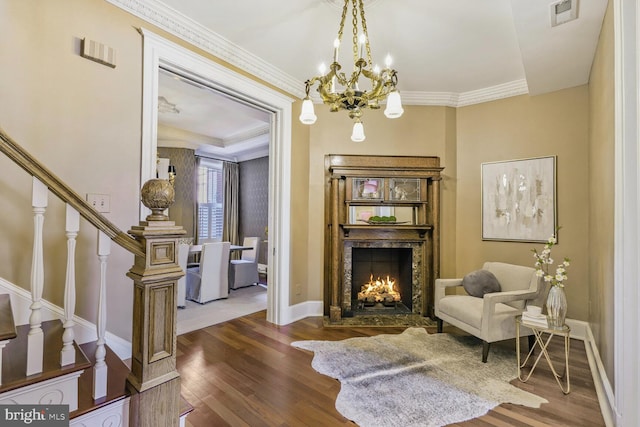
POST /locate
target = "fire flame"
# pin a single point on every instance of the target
(379, 290)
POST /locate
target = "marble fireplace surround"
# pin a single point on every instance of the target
(417, 281)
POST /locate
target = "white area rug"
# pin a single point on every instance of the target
(240, 302)
(417, 379)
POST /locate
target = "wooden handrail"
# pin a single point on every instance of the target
(27, 162)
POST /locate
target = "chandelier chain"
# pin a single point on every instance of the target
(366, 33)
(344, 16)
(354, 12)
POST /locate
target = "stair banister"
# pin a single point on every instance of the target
(154, 380)
(27, 162)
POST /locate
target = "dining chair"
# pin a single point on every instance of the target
(183, 256)
(244, 271)
(209, 281)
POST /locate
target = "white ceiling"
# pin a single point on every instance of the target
(446, 52)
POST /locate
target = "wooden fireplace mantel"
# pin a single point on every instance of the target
(359, 186)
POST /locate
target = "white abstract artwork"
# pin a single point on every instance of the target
(519, 200)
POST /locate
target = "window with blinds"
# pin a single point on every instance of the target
(210, 199)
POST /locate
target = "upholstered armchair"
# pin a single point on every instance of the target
(492, 316)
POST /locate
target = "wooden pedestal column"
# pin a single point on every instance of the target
(154, 380)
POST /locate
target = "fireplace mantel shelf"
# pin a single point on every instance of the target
(420, 228)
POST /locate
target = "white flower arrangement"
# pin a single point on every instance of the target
(544, 263)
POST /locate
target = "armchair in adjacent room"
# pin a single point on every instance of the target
(209, 281)
(491, 316)
(244, 272)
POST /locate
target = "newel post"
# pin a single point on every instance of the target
(154, 380)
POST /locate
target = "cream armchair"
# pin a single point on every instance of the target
(492, 317)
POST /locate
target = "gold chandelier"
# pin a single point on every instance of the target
(351, 96)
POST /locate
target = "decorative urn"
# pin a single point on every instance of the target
(157, 195)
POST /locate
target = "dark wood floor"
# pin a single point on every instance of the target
(245, 373)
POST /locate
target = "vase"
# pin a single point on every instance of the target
(556, 307)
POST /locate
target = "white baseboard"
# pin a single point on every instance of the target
(85, 331)
(302, 310)
(582, 331)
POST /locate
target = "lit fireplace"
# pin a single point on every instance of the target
(379, 291)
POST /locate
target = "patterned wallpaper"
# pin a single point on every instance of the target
(182, 211)
(254, 201)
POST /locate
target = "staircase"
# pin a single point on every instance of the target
(41, 360)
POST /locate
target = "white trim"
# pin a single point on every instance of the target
(303, 310)
(85, 331)
(626, 210)
(115, 413)
(600, 379)
(161, 52)
(157, 13)
(174, 22)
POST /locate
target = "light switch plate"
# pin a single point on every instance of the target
(100, 202)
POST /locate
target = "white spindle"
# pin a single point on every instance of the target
(35, 339)
(100, 367)
(68, 353)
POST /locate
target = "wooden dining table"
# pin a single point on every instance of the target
(196, 250)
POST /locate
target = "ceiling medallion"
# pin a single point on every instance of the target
(342, 92)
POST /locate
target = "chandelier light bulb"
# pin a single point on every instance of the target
(376, 69)
(394, 106)
(322, 68)
(308, 115)
(358, 132)
(388, 61)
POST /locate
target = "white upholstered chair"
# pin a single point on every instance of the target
(209, 281)
(244, 272)
(492, 317)
(183, 255)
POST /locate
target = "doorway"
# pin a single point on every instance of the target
(160, 53)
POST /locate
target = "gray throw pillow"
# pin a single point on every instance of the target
(480, 282)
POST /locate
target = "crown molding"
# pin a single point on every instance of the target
(159, 14)
(260, 131)
(492, 93)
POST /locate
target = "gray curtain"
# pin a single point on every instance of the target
(231, 189)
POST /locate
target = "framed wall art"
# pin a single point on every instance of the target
(519, 200)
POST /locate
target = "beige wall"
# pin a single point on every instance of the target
(81, 119)
(299, 289)
(601, 191)
(524, 127)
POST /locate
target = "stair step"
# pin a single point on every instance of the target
(14, 359)
(116, 382)
(7, 325)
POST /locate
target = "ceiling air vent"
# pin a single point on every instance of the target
(563, 11)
